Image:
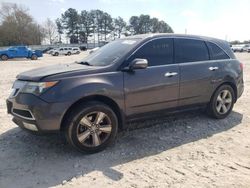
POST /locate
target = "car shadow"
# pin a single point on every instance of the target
(44, 161)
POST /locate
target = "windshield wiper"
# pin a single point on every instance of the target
(84, 63)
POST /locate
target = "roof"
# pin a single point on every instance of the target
(221, 43)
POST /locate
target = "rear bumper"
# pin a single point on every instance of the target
(29, 109)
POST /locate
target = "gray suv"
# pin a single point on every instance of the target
(127, 79)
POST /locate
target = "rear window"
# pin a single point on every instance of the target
(190, 50)
(216, 52)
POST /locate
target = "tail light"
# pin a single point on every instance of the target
(241, 66)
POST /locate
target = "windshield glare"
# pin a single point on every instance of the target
(111, 52)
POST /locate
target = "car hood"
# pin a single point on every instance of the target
(40, 73)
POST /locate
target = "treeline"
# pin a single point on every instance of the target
(79, 26)
(18, 27)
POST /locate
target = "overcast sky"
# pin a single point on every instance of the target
(225, 19)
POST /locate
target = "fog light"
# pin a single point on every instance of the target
(30, 126)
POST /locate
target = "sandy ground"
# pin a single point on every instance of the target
(183, 150)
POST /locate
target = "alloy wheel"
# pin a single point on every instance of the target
(224, 102)
(94, 129)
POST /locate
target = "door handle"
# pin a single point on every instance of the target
(170, 74)
(213, 68)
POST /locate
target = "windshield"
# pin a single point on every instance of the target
(111, 52)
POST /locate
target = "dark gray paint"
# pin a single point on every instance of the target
(135, 93)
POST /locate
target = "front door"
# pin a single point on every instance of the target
(157, 86)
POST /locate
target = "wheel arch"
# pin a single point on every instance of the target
(230, 83)
(96, 98)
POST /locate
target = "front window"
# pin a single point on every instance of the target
(111, 52)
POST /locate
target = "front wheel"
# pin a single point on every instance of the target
(91, 127)
(222, 102)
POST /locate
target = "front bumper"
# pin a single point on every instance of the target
(28, 110)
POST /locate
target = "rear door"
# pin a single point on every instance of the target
(157, 86)
(197, 71)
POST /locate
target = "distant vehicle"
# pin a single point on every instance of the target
(237, 48)
(246, 47)
(20, 52)
(46, 50)
(62, 51)
(76, 50)
(83, 48)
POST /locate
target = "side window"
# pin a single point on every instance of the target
(157, 52)
(216, 52)
(189, 50)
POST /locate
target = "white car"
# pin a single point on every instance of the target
(76, 50)
(62, 51)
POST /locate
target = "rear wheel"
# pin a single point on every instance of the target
(4, 57)
(222, 102)
(69, 53)
(91, 127)
(34, 57)
(56, 54)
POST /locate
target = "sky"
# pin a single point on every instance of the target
(224, 19)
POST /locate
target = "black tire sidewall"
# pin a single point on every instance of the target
(34, 57)
(78, 114)
(4, 59)
(212, 106)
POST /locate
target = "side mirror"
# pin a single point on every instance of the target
(137, 64)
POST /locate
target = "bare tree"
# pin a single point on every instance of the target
(17, 26)
(50, 31)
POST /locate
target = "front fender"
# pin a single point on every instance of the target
(102, 84)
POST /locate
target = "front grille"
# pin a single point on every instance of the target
(26, 114)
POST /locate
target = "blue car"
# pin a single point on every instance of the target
(20, 52)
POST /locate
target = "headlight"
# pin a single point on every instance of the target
(37, 88)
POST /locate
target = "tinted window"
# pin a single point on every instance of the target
(216, 52)
(157, 52)
(189, 50)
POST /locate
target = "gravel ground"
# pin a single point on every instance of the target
(183, 150)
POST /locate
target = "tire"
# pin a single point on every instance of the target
(92, 134)
(4, 57)
(215, 107)
(56, 54)
(77, 52)
(69, 53)
(34, 57)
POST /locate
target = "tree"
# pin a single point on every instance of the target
(145, 24)
(59, 29)
(50, 30)
(18, 27)
(120, 26)
(70, 20)
(107, 26)
(86, 25)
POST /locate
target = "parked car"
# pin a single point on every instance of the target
(246, 47)
(62, 51)
(237, 48)
(76, 50)
(46, 50)
(20, 52)
(129, 78)
(83, 48)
